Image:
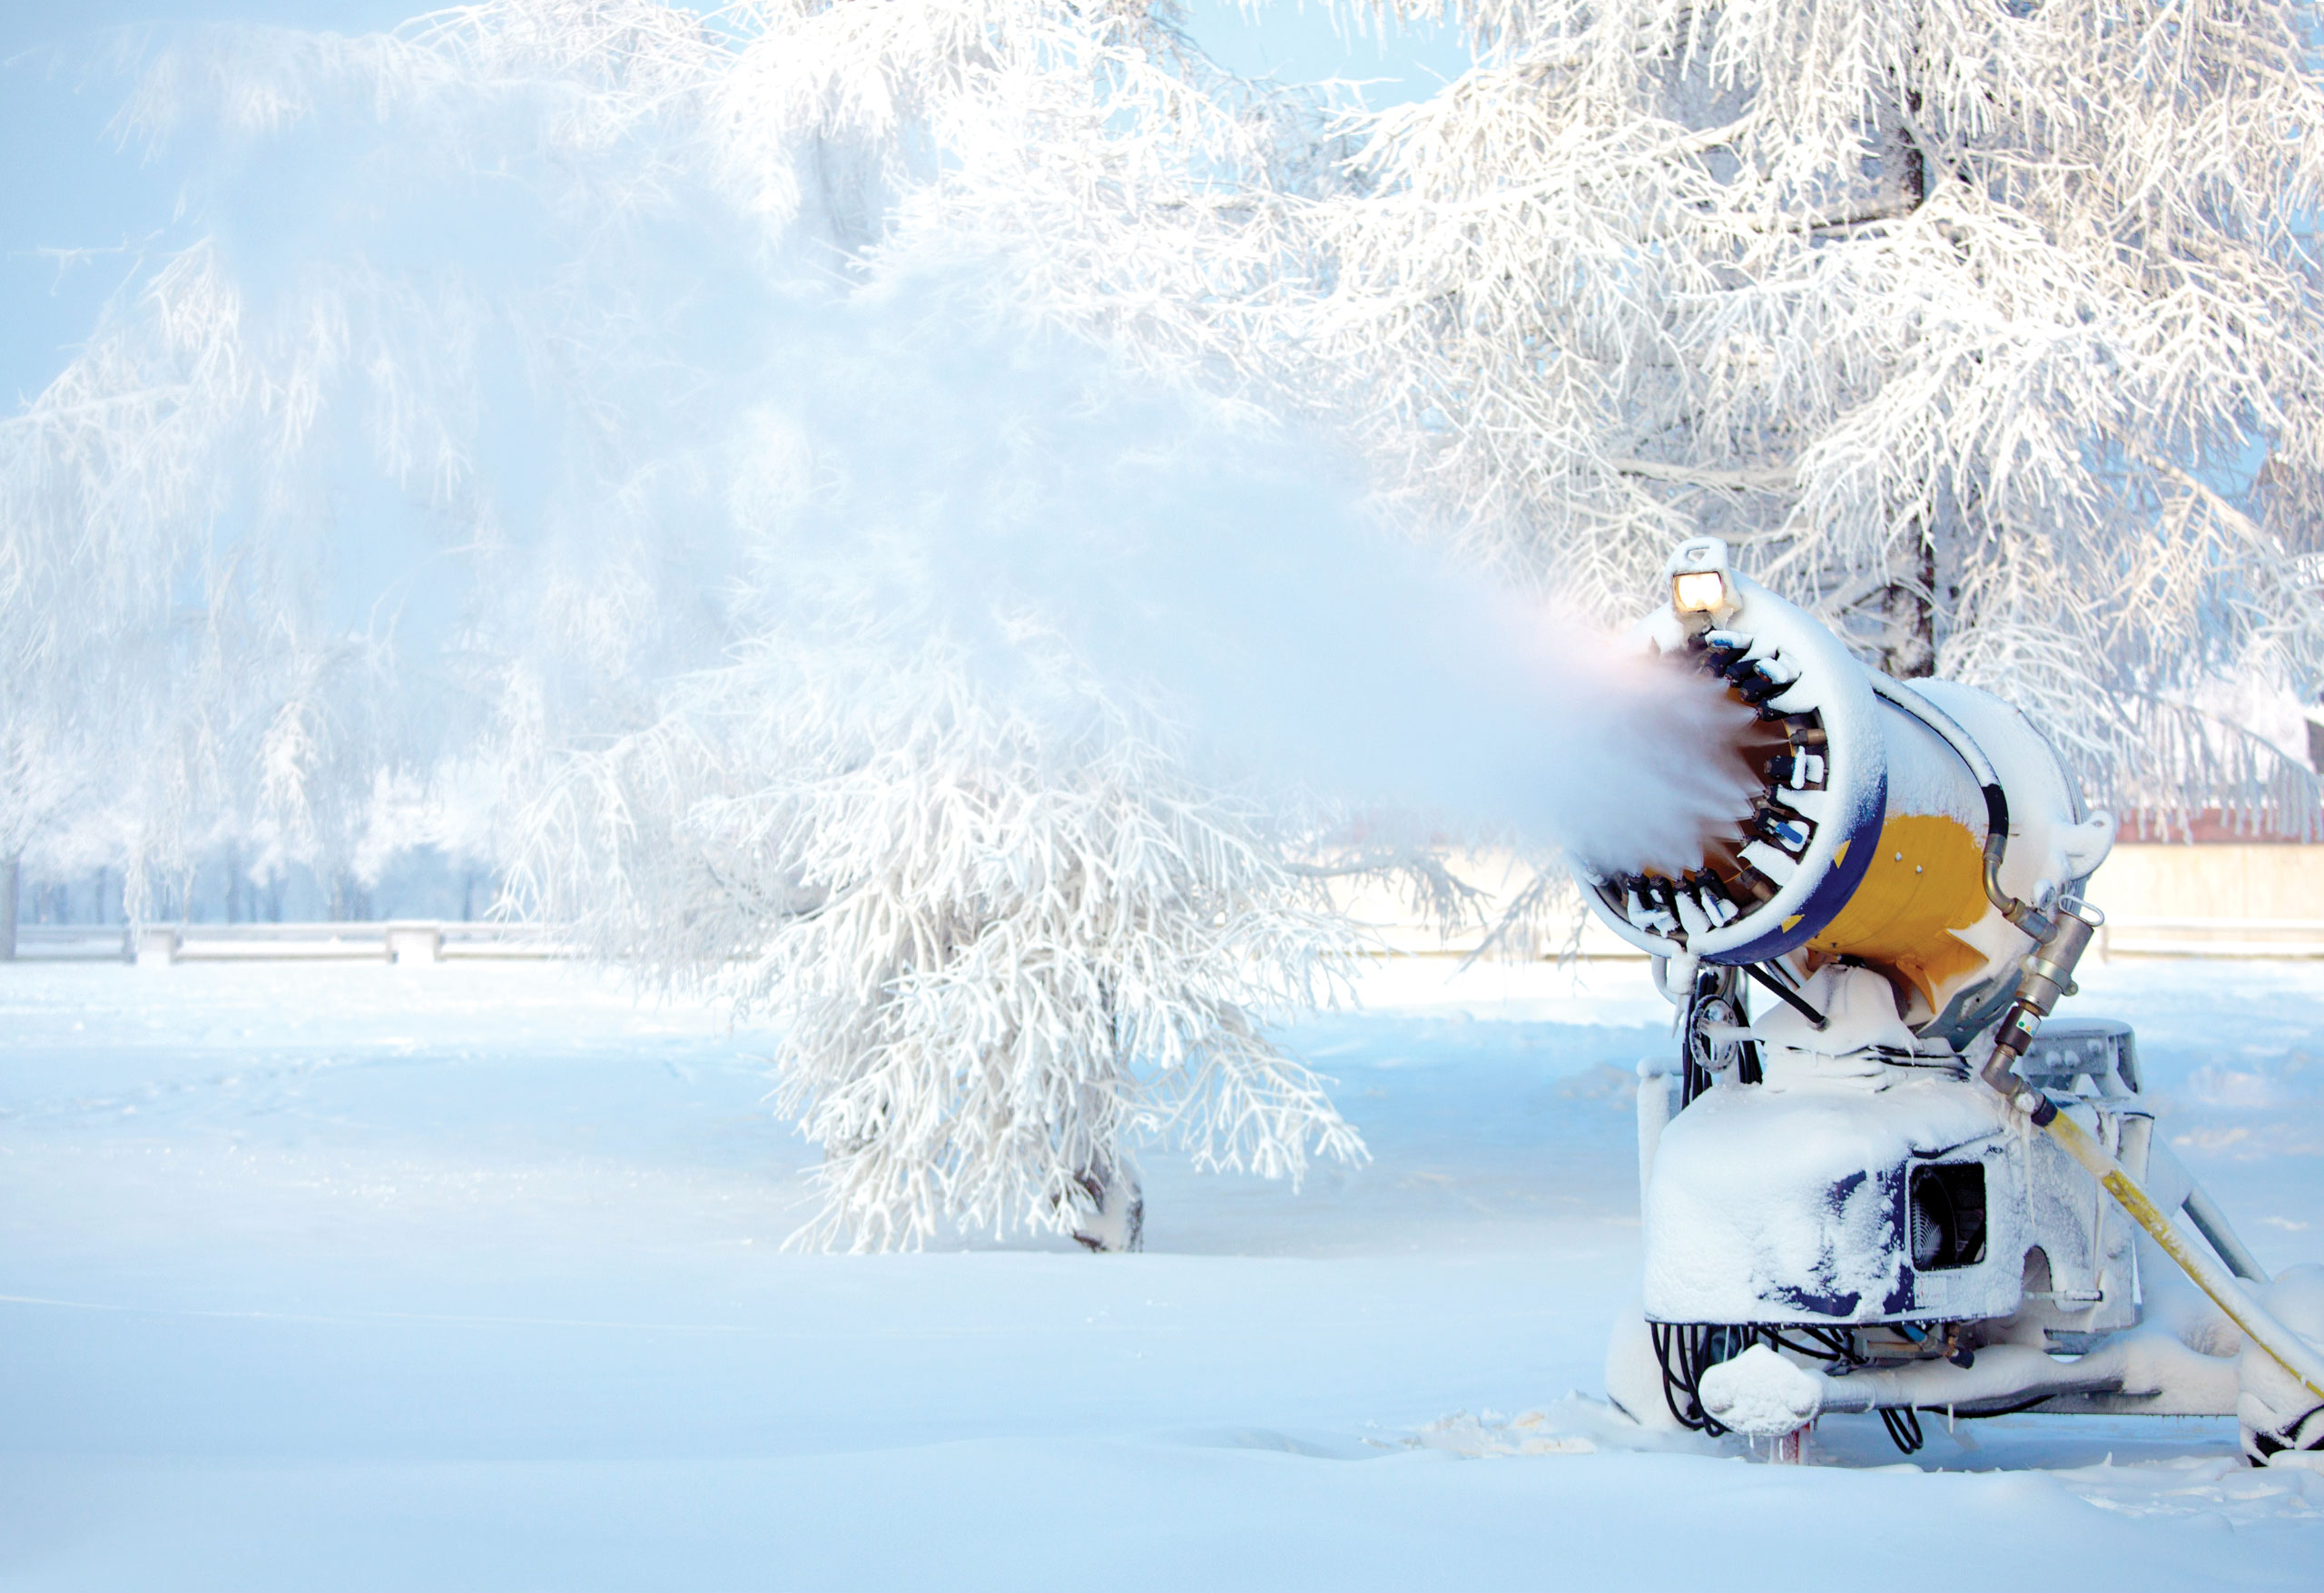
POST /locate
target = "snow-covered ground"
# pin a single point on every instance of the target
(345, 1278)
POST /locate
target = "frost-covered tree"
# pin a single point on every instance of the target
(1990, 328)
(1126, 184)
(86, 656)
(1007, 942)
(1012, 926)
(380, 419)
(37, 779)
(789, 479)
(442, 451)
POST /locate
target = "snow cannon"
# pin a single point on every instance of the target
(1878, 808)
(1903, 1187)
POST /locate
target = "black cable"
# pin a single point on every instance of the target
(1690, 1366)
(1904, 1427)
(1684, 1351)
(1694, 1081)
(1823, 1343)
(1785, 996)
(2018, 1410)
(1841, 1342)
(1689, 1417)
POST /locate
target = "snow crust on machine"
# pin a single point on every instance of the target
(1760, 1394)
(1771, 1206)
(2053, 842)
(2282, 1423)
(1859, 1010)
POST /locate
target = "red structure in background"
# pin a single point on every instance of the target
(2214, 826)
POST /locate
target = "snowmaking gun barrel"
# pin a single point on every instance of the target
(1888, 1173)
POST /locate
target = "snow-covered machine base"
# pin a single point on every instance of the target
(1895, 1190)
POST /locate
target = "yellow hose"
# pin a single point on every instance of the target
(2289, 1350)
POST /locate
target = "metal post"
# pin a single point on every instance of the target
(2213, 1225)
(2290, 1352)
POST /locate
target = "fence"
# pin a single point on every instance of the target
(407, 940)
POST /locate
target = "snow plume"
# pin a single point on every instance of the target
(481, 375)
(664, 433)
(926, 464)
(1008, 795)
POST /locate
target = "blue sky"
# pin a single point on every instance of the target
(1300, 44)
(1297, 40)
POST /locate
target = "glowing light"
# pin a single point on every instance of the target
(1700, 592)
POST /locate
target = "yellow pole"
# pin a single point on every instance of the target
(2290, 1350)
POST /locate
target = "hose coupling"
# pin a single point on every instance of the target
(2045, 977)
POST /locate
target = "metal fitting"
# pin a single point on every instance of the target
(2045, 978)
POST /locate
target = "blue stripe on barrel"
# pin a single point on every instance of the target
(1831, 894)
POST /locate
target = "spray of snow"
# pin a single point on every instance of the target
(627, 424)
(489, 398)
(917, 468)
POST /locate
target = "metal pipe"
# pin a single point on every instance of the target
(2049, 974)
(2047, 977)
(2003, 1375)
(2213, 1225)
(2290, 1351)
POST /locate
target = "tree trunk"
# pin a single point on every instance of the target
(1115, 1220)
(1908, 607)
(8, 909)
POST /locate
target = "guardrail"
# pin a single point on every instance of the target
(428, 940)
(2130, 936)
(396, 940)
